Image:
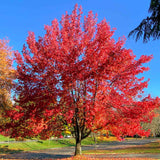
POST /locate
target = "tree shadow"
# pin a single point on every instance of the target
(6, 150)
(31, 155)
(67, 143)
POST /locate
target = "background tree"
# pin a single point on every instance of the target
(154, 126)
(76, 75)
(7, 74)
(150, 26)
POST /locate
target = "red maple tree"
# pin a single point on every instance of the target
(76, 75)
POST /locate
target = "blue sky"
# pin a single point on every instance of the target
(17, 17)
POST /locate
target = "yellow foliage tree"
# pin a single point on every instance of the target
(7, 74)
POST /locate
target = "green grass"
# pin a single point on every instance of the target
(41, 144)
(3, 138)
(35, 145)
(148, 148)
(90, 141)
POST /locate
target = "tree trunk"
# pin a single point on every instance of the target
(95, 140)
(78, 147)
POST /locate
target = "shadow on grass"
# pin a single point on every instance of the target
(67, 143)
(6, 150)
(142, 149)
(34, 156)
(152, 145)
(39, 141)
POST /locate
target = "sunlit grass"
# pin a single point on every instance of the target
(42, 144)
(35, 145)
(148, 148)
(3, 138)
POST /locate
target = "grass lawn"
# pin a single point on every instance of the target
(3, 138)
(148, 148)
(41, 144)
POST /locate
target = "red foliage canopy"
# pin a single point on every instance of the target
(77, 75)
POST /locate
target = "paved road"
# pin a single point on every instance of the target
(69, 151)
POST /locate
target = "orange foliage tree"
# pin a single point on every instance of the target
(7, 74)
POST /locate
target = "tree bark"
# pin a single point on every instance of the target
(78, 150)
